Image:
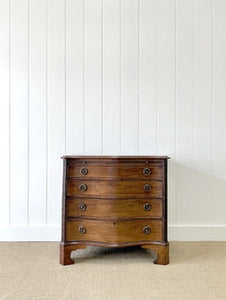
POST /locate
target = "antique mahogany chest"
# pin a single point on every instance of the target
(114, 201)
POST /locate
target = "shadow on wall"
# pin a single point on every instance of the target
(196, 193)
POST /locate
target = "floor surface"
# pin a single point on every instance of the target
(197, 270)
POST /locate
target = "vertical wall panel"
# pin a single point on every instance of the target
(147, 77)
(93, 77)
(219, 110)
(19, 112)
(129, 77)
(203, 112)
(56, 106)
(111, 77)
(166, 131)
(74, 76)
(4, 111)
(37, 112)
(185, 111)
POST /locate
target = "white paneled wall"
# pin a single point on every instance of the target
(117, 77)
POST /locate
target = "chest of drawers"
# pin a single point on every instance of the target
(114, 202)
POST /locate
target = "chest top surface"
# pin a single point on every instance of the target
(119, 157)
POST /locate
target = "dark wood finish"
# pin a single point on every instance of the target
(115, 158)
(162, 253)
(113, 188)
(114, 208)
(113, 231)
(122, 171)
(65, 253)
(165, 201)
(114, 201)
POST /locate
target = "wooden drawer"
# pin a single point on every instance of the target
(113, 232)
(104, 171)
(110, 208)
(114, 188)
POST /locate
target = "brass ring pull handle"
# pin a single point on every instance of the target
(147, 187)
(147, 206)
(146, 171)
(83, 187)
(82, 206)
(84, 171)
(146, 230)
(82, 229)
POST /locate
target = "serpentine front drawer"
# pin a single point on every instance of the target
(117, 170)
(113, 231)
(114, 208)
(114, 188)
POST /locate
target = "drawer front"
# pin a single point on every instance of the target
(110, 208)
(129, 171)
(114, 232)
(113, 188)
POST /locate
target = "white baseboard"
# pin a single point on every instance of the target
(197, 233)
(52, 233)
(30, 233)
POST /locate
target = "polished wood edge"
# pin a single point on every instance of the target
(113, 199)
(114, 157)
(115, 245)
(162, 252)
(111, 178)
(65, 252)
(64, 202)
(165, 202)
(121, 219)
(104, 197)
(74, 178)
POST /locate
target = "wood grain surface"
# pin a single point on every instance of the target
(127, 171)
(114, 208)
(114, 188)
(115, 202)
(113, 232)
